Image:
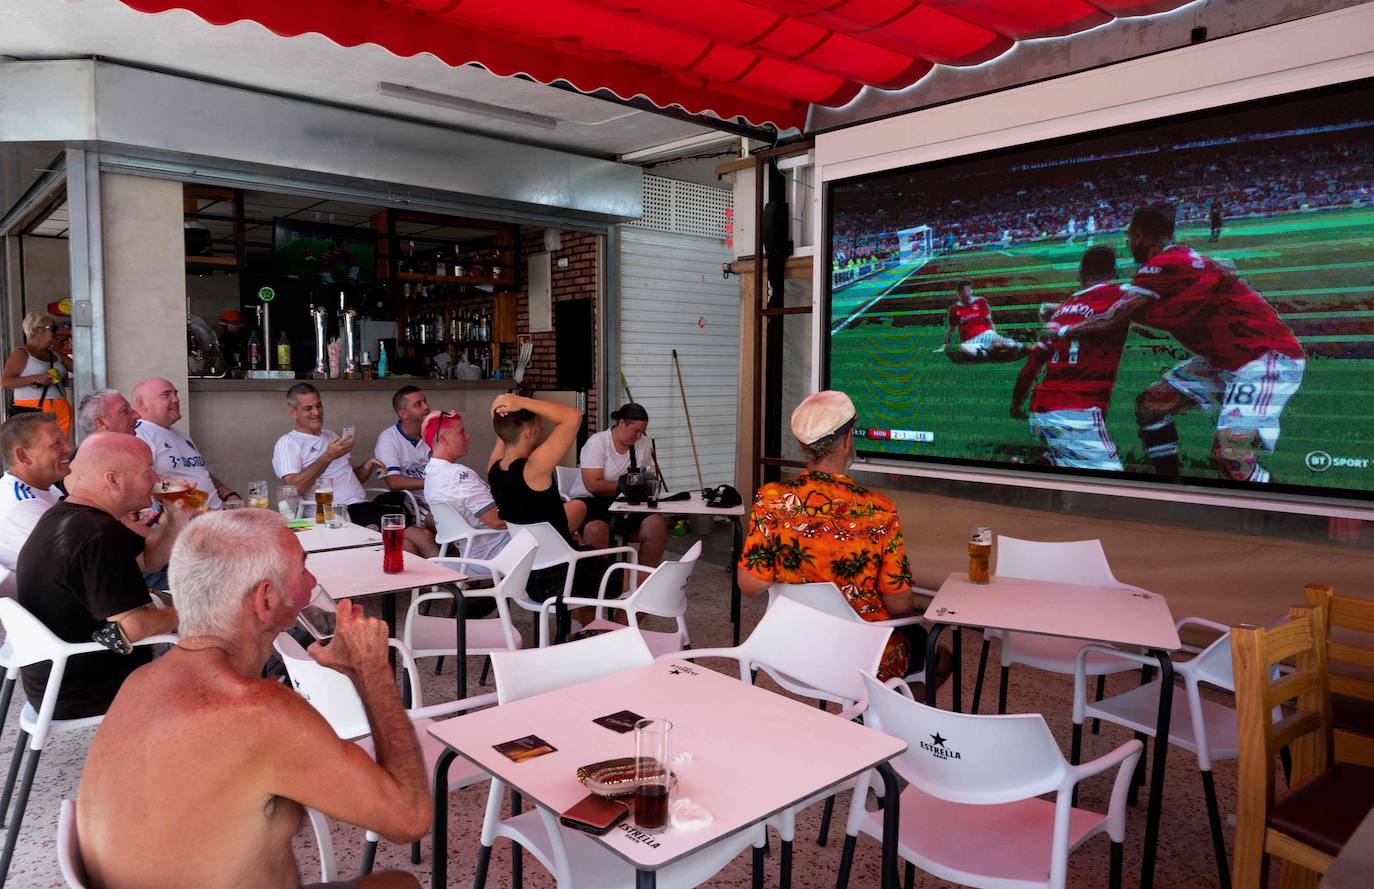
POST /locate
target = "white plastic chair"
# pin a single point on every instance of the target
(1075, 561)
(74, 871)
(828, 598)
(554, 550)
(663, 593)
(568, 478)
(451, 527)
(430, 636)
(1205, 728)
(816, 654)
(571, 856)
(971, 813)
(333, 696)
(31, 642)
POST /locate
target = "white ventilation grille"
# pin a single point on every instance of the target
(686, 208)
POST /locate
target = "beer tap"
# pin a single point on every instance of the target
(349, 334)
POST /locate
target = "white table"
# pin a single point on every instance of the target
(696, 505)
(754, 754)
(356, 572)
(1131, 618)
(321, 538)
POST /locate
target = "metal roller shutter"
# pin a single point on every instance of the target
(672, 296)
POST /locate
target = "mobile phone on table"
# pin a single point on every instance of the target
(595, 814)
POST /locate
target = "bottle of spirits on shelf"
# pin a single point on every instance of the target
(283, 352)
(408, 262)
(254, 351)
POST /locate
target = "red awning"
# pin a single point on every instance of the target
(763, 60)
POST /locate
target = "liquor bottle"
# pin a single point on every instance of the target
(381, 359)
(283, 352)
(367, 366)
(408, 264)
(254, 352)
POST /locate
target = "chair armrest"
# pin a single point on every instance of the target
(159, 639)
(621, 566)
(451, 561)
(900, 686)
(906, 620)
(733, 654)
(579, 555)
(572, 601)
(411, 670)
(437, 711)
(1124, 758)
(1201, 622)
(852, 713)
(1080, 672)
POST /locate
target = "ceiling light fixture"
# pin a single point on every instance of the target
(468, 106)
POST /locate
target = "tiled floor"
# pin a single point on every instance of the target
(1185, 856)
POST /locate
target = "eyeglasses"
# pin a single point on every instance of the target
(445, 416)
(48, 327)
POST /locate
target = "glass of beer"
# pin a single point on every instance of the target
(393, 540)
(257, 495)
(650, 804)
(169, 490)
(324, 501)
(980, 554)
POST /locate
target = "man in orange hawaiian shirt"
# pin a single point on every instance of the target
(823, 526)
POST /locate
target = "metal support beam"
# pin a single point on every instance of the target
(85, 245)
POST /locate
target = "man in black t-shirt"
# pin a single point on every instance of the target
(80, 569)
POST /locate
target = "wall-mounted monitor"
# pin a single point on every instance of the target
(1188, 300)
(315, 253)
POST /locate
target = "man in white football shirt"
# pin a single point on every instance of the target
(175, 456)
(400, 447)
(38, 456)
(310, 452)
(449, 481)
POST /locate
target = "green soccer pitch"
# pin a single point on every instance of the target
(1316, 269)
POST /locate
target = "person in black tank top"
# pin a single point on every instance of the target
(521, 474)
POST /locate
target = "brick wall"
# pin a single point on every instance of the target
(577, 281)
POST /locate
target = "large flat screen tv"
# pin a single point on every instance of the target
(1236, 350)
(316, 253)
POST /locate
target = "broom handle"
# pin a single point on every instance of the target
(688, 414)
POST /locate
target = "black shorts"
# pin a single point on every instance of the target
(546, 583)
(369, 513)
(625, 524)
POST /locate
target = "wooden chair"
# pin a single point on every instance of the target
(1309, 824)
(1352, 698)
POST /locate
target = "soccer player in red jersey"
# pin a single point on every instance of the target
(1069, 407)
(1246, 363)
(971, 318)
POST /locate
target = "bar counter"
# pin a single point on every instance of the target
(235, 423)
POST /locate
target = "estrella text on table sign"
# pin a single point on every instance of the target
(638, 836)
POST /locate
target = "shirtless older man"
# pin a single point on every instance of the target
(218, 763)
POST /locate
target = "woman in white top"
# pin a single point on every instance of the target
(607, 456)
(36, 371)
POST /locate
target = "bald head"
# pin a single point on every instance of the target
(157, 401)
(114, 472)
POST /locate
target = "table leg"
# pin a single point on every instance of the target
(460, 614)
(439, 867)
(892, 822)
(957, 669)
(646, 879)
(933, 661)
(736, 543)
(1153, 810)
